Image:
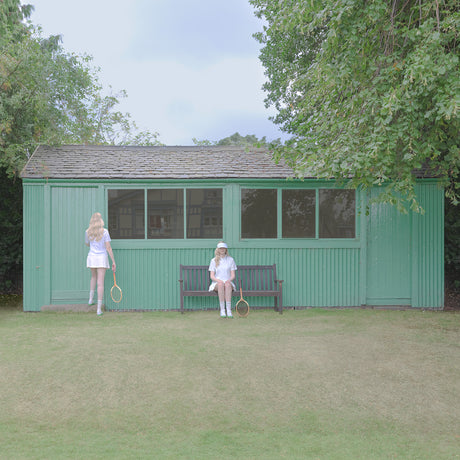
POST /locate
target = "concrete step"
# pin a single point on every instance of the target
(73, 308)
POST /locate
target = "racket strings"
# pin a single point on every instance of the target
(116, 294)
(242, 308)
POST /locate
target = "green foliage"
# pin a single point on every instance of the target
(12, 16)
(11, 232)
(249, 140)
(47, 96)
(452, 244)
(237, 139)
(370, 91)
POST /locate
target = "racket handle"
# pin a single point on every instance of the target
(114, 279)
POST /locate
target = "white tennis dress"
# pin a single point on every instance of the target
(222, 272)
(97, 256)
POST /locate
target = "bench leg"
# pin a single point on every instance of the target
(281, 298)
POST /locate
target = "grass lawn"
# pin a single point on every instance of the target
(310, 384)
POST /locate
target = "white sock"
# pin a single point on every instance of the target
(222, 308)
(229, 308)
(91, 297)
(99, 307)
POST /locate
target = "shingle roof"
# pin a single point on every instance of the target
(131, 162)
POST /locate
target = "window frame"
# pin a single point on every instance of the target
(169, 186)
(279, 190)
(231, 214)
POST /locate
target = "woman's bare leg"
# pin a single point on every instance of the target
(100, 288)
(220, 289)
(92, 285)
(228, 298)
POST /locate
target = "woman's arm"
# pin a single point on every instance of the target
(213, 276)
(109, 250)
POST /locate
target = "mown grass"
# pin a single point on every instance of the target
(311, 384)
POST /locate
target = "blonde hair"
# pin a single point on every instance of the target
(217, 257)
(95, 230)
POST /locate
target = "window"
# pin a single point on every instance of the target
(126, 214)
(318, 213)
(164, 213)
(337, 213)
(197, 213)
(204, 213)
(258, 213)
(299, 213)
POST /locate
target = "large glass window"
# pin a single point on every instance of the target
(159, 213)
(314, 213)
(165, 217)
(126, 214)
(298, 211)
(337, 213)
(258, 213)
(165, 213)
(204, 213)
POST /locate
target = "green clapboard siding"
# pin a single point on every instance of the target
(388, 256)
(312, 277)
(394, 260)
(428, 248)
(72, 208)
(34, 269)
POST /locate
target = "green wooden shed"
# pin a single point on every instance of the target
(166, 206)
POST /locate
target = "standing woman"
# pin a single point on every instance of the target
(98, 240)
(222, 269)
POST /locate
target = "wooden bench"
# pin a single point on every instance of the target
(255, 280)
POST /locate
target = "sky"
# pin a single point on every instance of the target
(190, 68)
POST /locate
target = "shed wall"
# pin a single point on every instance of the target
(316, 273)
(35, 267)
(428, 249)
(312, 277)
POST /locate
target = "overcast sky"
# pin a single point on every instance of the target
(190, 68)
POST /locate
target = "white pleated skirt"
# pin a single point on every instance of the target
(214, 284)
(97, 261)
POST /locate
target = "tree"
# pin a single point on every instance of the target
(249, 140)
(47, 96)
(370, 91)
(237, 139)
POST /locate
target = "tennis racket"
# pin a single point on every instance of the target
(115, 292)
(242, 307)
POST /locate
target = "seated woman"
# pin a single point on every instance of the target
(222, 269)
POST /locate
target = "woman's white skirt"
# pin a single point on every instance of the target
(97, 261)
(214, 284)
